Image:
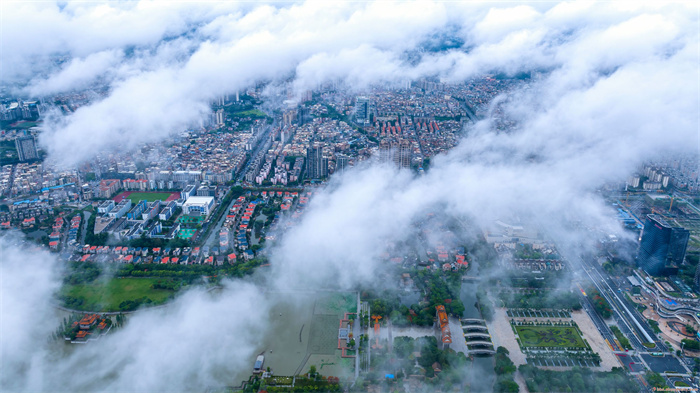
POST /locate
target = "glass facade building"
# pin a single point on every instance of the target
(662, 248)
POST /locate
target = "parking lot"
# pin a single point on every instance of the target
(664, 364)
(514, 313)
(551, 362)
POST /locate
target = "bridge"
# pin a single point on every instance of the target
(482, 352)
(480, 343)
(477, 335)
(473, 321)
(474, 327)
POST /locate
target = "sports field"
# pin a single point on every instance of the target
(186, 233)
(550, 336)
(191, 219)
(107, 296)
(146, 196)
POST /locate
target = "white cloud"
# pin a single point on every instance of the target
(623, 89)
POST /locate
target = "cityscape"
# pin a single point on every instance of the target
(350, 197)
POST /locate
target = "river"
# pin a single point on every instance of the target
(482, 377)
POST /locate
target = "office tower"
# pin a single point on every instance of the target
(362, 110)
(303, 115)
(26, 148)
(316, 164)
(663, 246)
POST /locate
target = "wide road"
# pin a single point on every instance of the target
(213, 239)
(632, 326)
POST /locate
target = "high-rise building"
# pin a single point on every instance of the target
(222, 100)
(400, 153)
(403, 158)
(362, 110)
(386, 151)
(341, 163)
(288, 117)
(316, 164)
(303, 115)
(26, 148)
(663, 245)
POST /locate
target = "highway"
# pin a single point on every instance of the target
(632, 325)
(598, 321)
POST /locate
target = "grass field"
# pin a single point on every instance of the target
(101, 296)
(19, 125)
(550, 336)
(251, 113)
(148, 196)
(8, 152)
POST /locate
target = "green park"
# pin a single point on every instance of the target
(118, 294)
(550, 336)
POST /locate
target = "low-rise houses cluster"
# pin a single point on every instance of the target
(177, 256)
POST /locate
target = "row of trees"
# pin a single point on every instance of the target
(620, 337)
(600, 304)
(131, 305)
(504, 369)
(90, 237)
(190, 273)
(521, 279)
(82, 273)
(690, 345)
(577, 380)
(557, 299)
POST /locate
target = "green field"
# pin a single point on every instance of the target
(18, 125)
(8, 152)
(148, 196)
(251, 113)
(550, 336)
(101, 296)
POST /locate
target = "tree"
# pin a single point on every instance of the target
(506, 385)
(691, 344)
(656, 380)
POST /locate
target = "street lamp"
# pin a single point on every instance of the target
(682, 349)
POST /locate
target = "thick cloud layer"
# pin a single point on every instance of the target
(163, 72)
(620, 87)
(28, 278)
(201, 340)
